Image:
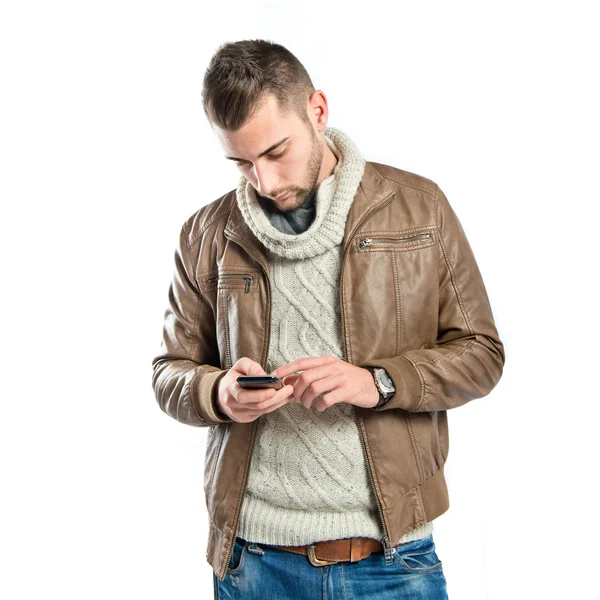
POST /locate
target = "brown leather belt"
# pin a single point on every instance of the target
(331, 552)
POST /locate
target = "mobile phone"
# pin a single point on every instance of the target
(257, 382)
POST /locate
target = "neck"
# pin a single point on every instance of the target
(328, 164)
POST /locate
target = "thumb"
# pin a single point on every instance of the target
(247, 366)
(290, 379)
(255, 369)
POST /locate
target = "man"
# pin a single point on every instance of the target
(354, 283)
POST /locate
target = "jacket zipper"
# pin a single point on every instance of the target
(245, 276)
(264, 359)
(385, 540)
(369, 241)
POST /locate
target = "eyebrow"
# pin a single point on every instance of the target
(269, 149)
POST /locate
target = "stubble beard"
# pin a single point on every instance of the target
(313, 168)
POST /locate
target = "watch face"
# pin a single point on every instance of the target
(387, 385)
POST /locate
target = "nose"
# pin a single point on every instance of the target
(266, 179)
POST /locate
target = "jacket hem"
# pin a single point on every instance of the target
(419, 505)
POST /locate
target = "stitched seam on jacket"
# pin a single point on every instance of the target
(347, 340)
(378, 174)
(408, 185)
(361, 424)
(213, 525)
(242, 487)
(196, 266)
(422, 380)
(399, 318)
(420, 500)
(452, 274)
(413, 440)
(451, 355)
(204, 227)
(189, 396)
(418, 485)
(267, 319)
(195, 325)
(225, 310)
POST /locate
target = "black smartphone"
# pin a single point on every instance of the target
(257, 382)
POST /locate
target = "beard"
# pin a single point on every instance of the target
(311, 175)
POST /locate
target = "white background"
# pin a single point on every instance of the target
(105, 151)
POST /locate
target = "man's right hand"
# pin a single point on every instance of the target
(244, 405)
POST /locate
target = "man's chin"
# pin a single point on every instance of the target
(290, 203)
(288, 207)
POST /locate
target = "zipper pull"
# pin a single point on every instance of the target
(388, 551)
(363, 243)
(248, 279)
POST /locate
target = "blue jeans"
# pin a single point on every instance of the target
(262, 572)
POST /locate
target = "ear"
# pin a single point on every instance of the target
(318, 110)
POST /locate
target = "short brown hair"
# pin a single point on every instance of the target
(241, 73)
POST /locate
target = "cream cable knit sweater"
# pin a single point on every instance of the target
(308, 478)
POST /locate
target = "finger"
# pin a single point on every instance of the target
(247, 366)
(278, 404)
(303, 363)
(249, 397)
(328, 399)
(249, 415)
(283, 396)
(319, 388)
(307, 382)
(290, 379)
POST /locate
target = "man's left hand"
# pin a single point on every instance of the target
(329, 380)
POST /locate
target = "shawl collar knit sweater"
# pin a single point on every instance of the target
(308, 478)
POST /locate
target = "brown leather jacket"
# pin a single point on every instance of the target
(412, 301)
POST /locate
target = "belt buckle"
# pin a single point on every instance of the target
(318, 562)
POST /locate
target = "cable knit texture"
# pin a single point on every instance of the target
(308, 478)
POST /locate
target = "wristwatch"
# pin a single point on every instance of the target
(383, 383)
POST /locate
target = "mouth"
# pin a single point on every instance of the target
(283, 196)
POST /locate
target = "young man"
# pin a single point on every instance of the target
(354, 283)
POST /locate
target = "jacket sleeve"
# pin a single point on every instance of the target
(185, 374)
(467, 360)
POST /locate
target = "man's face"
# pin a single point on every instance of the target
(290, 168)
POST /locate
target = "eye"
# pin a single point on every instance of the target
(244, 165)
(277, 155)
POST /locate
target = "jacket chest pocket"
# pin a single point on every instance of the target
(403, 241)
(231, 280)
(395, 288)
(238, 300)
